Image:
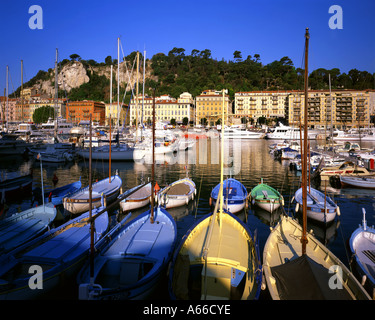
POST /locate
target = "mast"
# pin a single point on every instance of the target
(21, 91)
(143, 88)
(90, 211)
(304, 162)
(7, 105)
(56, 96)
(118, 82)
(110, 92)
(153, 160)
(136, 100)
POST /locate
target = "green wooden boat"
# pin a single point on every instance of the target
(266, 197)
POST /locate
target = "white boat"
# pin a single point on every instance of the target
(177, 194)
(316, 275)
(24, 226)
(238, 133)
(60, 125)
(137, 199)
(283, 132)
(121, 152)
(362, 246)
(354, 135)
(320, 207)
(358, 182)
(29, 132)
(185, 144)
(79, 201)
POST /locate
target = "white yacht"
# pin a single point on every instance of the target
(63, 127)
(242, 133)
(283, 132)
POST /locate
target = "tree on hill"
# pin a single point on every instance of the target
(42, 114)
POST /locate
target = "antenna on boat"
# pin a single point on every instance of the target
(304, 162)
(110, 147)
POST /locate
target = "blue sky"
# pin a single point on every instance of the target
(271, 28)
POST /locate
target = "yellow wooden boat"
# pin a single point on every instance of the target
(217, 258)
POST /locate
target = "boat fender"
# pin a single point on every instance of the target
(210, 201)
(297, 207)
(195, 191)
(187, 200)
(192, 196)
(338, 211)
(292, 200)
(282, 201)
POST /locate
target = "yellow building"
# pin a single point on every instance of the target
(256, 104)
(349, 108)
(166, 108)
(209, 106)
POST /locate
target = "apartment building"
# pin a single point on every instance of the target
(77, 111)
(348, 109)
(256, 104)
(166, 108)
(209, 106)
(8, 112)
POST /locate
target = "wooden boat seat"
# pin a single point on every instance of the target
(218, 280)
(144, 239)
(370, 254)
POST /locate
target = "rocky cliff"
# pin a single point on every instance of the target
(73, 74)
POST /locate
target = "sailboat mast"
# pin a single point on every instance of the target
(153, 160)
(304, 168)
(110, 92)
(56, 95)
(118, 81)
(221, 197)
(90, 211)
(21, 90)
(7, 105)
(136, 100)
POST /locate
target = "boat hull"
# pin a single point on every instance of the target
(79, 201)
(362, 243)
(187, 273)
(169, 200)
(284, 246)
(139, 244)
(56, 256)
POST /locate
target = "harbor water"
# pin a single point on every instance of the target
(248, 161)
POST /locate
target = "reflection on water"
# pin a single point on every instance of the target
(247, 161)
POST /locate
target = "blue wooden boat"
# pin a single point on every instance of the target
(131, 259)
(362, 246)
(320, 207)
(235, 195)
(24, 226)
(38, 266)
(56, 195)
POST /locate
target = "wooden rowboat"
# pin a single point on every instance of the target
(137, 199)
(316, 275)
(178, 193)
(78, 202)
(362, 246)
(266, 197)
